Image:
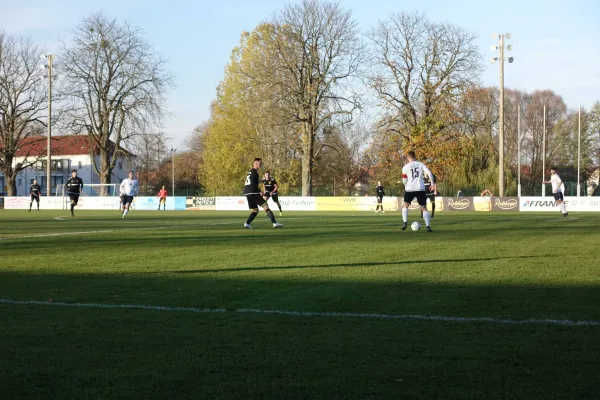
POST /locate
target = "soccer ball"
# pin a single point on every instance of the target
(415, 226)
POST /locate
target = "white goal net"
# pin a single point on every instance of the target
(97, 189)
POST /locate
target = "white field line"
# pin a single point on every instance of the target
(502, 321)
(121, 230)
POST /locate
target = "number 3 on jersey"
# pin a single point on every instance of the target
(414, 172)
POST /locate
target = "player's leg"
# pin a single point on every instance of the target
(432, 200)
(126, 204)
(381, 204)
(408, 198)
(72, 198)
(253, 211)
(30, 202)
(37, 201)
(561, 203)
(276, 200)
(422, 200)
(270, 214)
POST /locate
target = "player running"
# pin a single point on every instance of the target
(380, 194)
(129, 189)
(74, 187)
(430, 192)
(255, 198)
(162, 198)
(414, 186)
(558, 188)
(35, 191)
(270, 185)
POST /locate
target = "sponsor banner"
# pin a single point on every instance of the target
(573, 204)
(505, 203)
(295, 203)
(458, 204)
(366, 203)
(151, 203)
(200, 203)
(237, 203)
(22, 203)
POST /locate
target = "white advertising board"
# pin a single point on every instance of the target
(573, 204)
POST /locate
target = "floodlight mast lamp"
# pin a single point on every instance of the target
(501, 59)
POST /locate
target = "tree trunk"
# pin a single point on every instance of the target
(307, 161)
(9, 176)
(105, 171)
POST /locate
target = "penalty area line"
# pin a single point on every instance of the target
(348, 315)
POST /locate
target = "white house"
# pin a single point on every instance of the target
(68, 153)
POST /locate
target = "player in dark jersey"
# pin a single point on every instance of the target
(430, 192)
(255, 197)
(35, 191)
(380, 194)
(270, 185)
(74, 186)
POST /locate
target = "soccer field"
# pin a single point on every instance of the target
(190, 305)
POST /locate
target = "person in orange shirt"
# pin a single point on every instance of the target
(162, 196)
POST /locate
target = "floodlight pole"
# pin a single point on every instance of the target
(579, 153)
(519, 150)
(501, 122)
(173, 169)
(49, 145)
(544, 152)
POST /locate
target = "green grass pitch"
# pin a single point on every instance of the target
(507, 267)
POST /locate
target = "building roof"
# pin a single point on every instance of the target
(71, 145)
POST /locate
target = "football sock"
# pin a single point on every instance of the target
(426, 217)
(432, 209)
(563, 208)
(279, 206)
(405, 214)
(125, 212)
(251, 217)
(72, 207)
(271, 216)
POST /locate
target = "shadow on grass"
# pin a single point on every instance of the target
(56, 352)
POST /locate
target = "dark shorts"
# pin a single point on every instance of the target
(35, 197)
(558, 196)
(379, 199)
(255, 200)
(420, 196)
(74, 197)
(126, 200)
(275, 197)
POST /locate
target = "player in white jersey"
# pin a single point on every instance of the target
(414, 186)
(129, 189)
(558, 188)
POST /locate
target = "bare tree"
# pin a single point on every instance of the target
(116, 84)
(151, 151)
(312, 51)
(22, 104)
(421, 68)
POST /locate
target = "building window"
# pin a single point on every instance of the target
(79, 165)
(19, 182)
(31, 181)
(121, 165)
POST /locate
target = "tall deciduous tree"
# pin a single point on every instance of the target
(116, 84)
(420, 71)
(22, 103)
(311, 51)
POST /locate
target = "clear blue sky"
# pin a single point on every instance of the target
(556, 43)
